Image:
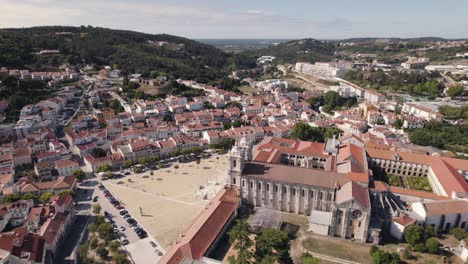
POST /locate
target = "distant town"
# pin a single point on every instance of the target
(353, 158)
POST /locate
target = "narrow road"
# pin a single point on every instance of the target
(80, 104)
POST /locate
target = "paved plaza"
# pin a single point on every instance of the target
(166, 202)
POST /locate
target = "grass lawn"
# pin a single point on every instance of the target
(247, 89)
(395, 180)
(348, 250)
(419, 183)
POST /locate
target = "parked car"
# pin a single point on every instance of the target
(123, 212)
(122, 228)
(153, 244)
(125, 242)
(95, 198)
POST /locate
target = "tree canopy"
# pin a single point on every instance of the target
(303, 131)
(239, 236)
(272, 244)
(441, 135)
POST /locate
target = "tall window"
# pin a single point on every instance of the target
(234, 163)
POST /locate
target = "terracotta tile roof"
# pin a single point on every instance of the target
(51, 228)
(353, 154)
(210, 230)
(404, 220)
(450, 179)
(446, 207)
(459, 164)
(204, 229)
(380, 186)
(358, 177)
(415, 193)
(19, 243)
(353, 190)
(294, 175)
(289, 146)
(65, 163)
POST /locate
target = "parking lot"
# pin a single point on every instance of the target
(165, 201)
(142, 249)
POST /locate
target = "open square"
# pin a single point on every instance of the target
(167, 202)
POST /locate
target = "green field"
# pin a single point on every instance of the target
(246, 89)
(419, 183)
(395, 180)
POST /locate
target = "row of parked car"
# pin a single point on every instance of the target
(124, 213)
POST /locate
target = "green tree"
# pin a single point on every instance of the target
(420, 247)
(10, 198)
(458, 233)
(127, 164)
(79, 175)
(303, 131)
(96, 209)
(143, 161)
(120, 258)
(185, 152)
(413, 234)
(98, 152)
(45, 197)
(306, 258)
(65, 192)
(428, 232)
(383, 257)
(114, 246)
(432, 245)
(455, 91)
(274, 243)
(196, 150)
(28, 196)
(239, 237)
(102, 252)
(93, 244)
(105, 168)
(373, 249)
(106, 231)
(233, 104)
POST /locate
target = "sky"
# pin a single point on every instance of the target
(247, 19)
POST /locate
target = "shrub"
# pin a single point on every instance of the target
(102, 252)
(96, 209)
(93, 244)
(406, 254)
(420, 247)
(458, 233)
(413, 234)
(432, 245)
(373, 249)
(176, 166)
(113, 246)
(151, 173)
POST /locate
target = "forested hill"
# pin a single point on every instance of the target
(127, 50)
(308, 50)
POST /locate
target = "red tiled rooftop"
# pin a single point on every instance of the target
(404, 220)
(415, 193)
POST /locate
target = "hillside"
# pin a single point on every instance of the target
(309, 50)
(127, 50)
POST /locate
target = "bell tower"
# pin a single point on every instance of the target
(236, 165)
